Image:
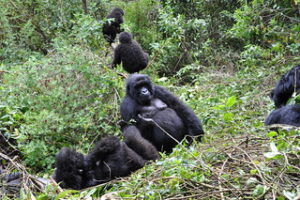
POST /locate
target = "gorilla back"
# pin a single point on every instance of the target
(286, 86)
(289, 115)
(130, 53)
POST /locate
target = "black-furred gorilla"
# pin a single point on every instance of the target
(286, 87)
(145, 100)
(113, 24)
(130, 53)
(289, 115)
(111, 158)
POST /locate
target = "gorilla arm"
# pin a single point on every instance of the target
(117, 57)
(140, 145)
(128, 109)
(190, 120)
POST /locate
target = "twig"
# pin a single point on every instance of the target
(253, 163)
(219, 179)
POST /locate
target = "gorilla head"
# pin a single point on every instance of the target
(170, 119)
(118, 11)
(69, 169)
(125, 37)
(139, 87)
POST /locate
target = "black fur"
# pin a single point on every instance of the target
(140, 145)
(111, 158)
(145, 100)
(289, 115)
(69, 169)
(130, 53)
(286, 87)
(112, 26)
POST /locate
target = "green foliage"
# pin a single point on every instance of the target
(65, 94)
(140, 19)
(11, 119)
(225, 57)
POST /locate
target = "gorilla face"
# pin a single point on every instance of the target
(140, 88)
(143, 95)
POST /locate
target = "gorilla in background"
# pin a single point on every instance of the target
(130, 53)
(286, 87)
(144, 101)
(112, 26)
(289, 115)
(111, 158)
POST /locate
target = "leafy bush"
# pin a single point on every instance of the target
(64, 94)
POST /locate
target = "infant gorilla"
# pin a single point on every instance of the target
(130, 54)
(111, 158)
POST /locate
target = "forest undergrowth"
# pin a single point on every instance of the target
(70, 96)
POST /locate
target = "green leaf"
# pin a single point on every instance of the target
(65, 193)
(218, 107)
(259, 190)
(289, 195)
(253, 171)
(272, 134)
(271, 154)
(228, 117)
(273, 147)
(231, 101)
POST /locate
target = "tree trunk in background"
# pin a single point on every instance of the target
(84, 5)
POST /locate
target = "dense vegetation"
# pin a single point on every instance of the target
(220, 57)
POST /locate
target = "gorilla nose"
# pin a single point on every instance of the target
(144, 91)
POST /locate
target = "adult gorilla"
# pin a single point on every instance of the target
(168, 115)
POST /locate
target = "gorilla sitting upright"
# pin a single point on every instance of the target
(111, 158)
(168, 115)
(289, 115)
(130, 53)
(286, 86)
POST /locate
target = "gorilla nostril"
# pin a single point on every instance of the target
(144, 91)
